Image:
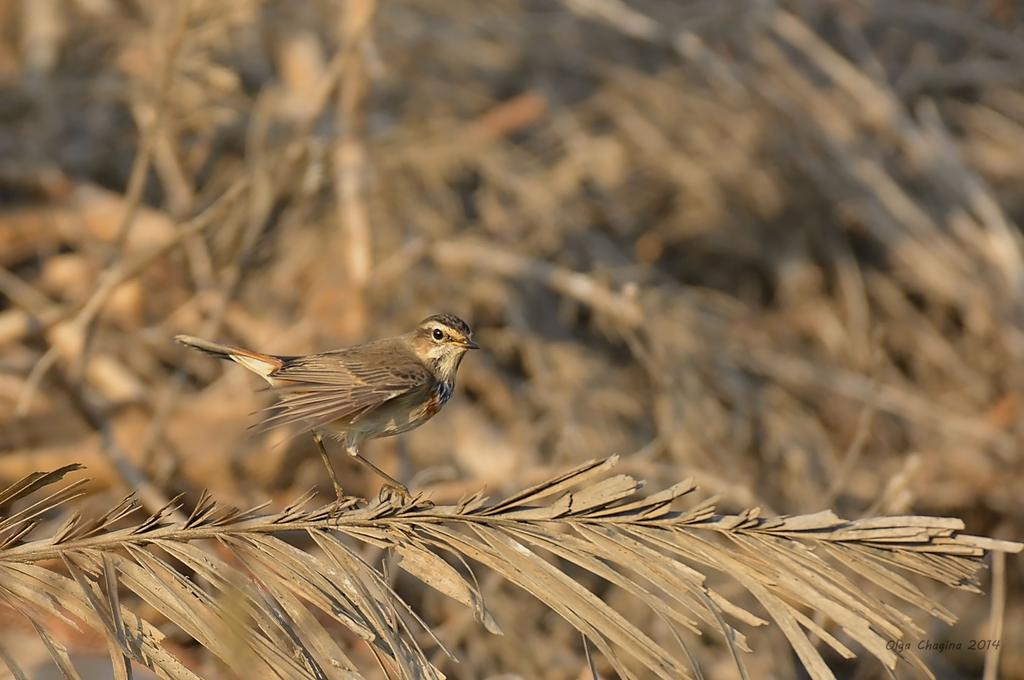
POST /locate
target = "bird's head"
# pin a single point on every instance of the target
(440, 341)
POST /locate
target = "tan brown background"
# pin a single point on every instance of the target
(772, 246)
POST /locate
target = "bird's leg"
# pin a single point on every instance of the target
(392, 482)
(327, 462)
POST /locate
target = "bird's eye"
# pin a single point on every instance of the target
(438, 335)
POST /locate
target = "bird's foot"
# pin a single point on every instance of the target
(400, 495)
(391, 491)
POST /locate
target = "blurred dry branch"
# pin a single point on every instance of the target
(351, 167)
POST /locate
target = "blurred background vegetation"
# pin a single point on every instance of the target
(773, 246)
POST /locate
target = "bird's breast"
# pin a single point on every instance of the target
(403, 413)
(443, 391)
(439, 396)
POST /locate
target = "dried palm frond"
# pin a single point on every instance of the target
(260, 604)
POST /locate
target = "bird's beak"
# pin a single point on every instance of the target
(469, 344)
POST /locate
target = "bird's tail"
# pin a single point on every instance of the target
(260, 364)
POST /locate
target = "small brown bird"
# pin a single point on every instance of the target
(377, 389)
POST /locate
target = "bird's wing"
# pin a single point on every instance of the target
(320, 388)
